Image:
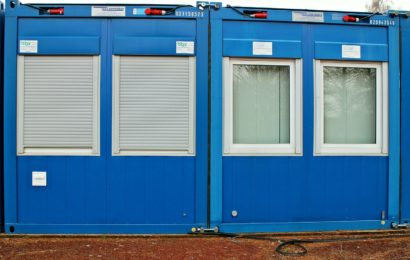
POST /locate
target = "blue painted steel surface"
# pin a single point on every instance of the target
(1, 116)
(308, 192)
(238, 43)
(106, 194)
(149, 41)
(394, 125)
(405, 119)
(369, 52)
(53, 40)
(216, 123)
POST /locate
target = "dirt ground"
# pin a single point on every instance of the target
(366, 245)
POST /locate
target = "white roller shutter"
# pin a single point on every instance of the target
(58, 104)
(153, 105)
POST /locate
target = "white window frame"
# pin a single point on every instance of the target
(294, 148)
(23, 151)
(116, 150)
(382, 109)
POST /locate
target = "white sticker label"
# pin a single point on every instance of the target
(27, 46)
(262, 48)
(185, 47)
(108, 11)
(303, 16)
(39, 179)
(351, 51)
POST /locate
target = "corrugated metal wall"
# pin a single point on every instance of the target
(2, 117)
(405, 120)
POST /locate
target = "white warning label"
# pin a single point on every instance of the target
(262, 48)
(28, 46)
(185, 47)
(351, 51)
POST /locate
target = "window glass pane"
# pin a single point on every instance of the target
(261, 108)
(350, 105)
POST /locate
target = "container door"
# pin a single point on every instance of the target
(300, 122)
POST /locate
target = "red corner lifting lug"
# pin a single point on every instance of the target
(150, 11)
(55, 11)
(350, 19)
(260, 15)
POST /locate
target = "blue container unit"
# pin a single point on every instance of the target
(106, 114)
(405, 119)
(305, 122)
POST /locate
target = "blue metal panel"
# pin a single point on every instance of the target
(202, 167)
(106, 194)
(148, 46)
(1, 116)
(330, 38)
(64, 37)
(90, 228)
(304, 226)
(66, 45)
(134, 11)
(405, 120)
(304, 189)
(351, 34)
(394, 124)
(280, 48)
(10, 82)
(216, 123)
(156, 37)
(333, 51)
(286, 38)
(306, 192)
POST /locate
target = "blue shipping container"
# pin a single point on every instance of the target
(317, 145)
(107, 127)
(106, 115)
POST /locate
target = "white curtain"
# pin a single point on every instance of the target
(261, 95)
(349, 105)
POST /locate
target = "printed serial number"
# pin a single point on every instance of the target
(382, 22)
(189, 14)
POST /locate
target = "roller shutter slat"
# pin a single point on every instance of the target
(58, 102)
(154, 103)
